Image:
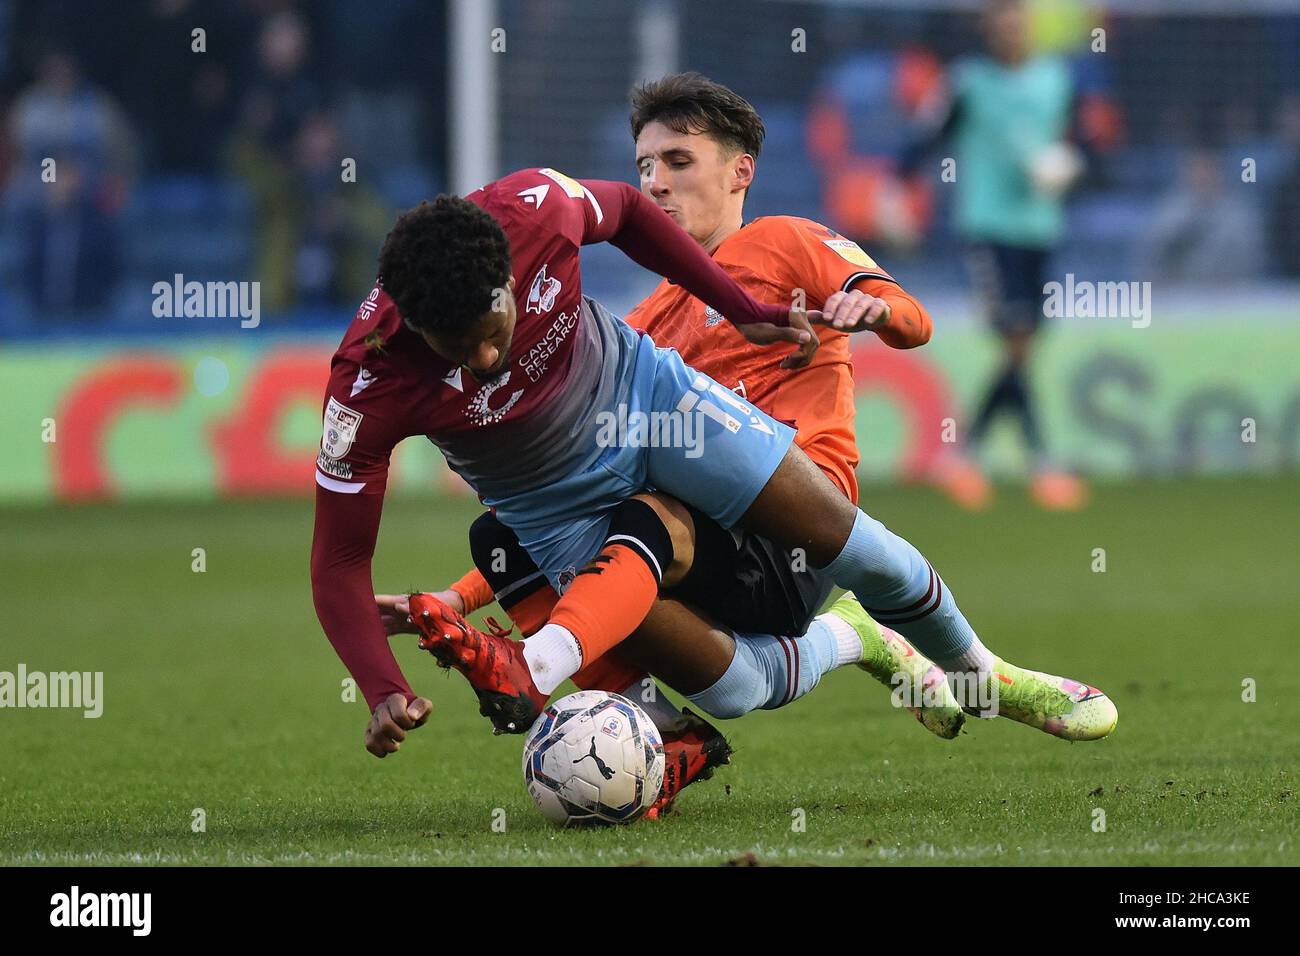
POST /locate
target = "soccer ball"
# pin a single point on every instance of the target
(593, 757)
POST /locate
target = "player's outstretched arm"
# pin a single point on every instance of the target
(342, 547)
(879, 306)
(650, 238)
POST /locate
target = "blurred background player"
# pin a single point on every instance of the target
(1009, 117)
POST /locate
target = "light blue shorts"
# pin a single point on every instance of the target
(672, 429)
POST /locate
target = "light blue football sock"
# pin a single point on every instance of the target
(900, 589)
(769, 672)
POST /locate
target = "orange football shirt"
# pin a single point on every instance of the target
(770, 258)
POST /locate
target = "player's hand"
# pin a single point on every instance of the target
(802, 320)
(395, 610)
(392, 719)
(854, 311)
(799, 331)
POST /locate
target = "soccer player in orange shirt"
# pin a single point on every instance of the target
(767, 257)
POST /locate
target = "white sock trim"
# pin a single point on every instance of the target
(553, 655)
(977, 658)
(848, 646)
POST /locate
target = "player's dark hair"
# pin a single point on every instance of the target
(442, 264)
(693, 103)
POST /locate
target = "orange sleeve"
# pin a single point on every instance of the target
(474, 591)
(909, 324)
(800, 253)
(825, 262)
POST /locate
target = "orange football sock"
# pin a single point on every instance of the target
(608, 600)
(533, 611)
(609, 673)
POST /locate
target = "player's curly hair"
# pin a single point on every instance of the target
(693, 103)
(442, 264)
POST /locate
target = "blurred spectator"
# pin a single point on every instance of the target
(283, 91)
(279, 97)
(191, 114)
(857, 134)
(70, 218)
(63, 116)
(1204, 226)
(1285, 198)
(341, 224)
(71, 247)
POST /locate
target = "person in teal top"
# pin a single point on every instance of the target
(1008, 120)
(1010, 115)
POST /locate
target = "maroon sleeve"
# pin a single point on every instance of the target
(341, 549)
(623, 217)
(361, 426)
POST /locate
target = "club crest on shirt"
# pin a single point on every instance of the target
(340, 429)
(542, 293)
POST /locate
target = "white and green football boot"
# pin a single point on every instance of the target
(917, 682)
(1058, 706)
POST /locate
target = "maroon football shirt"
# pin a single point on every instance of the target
(504, 435)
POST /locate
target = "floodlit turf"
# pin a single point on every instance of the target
(221, 694)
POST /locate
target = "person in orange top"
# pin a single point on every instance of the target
(767, 257)
(696, 142)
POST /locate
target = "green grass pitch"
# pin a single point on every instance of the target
(221, 694)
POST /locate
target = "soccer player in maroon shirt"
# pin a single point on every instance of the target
(506, 375)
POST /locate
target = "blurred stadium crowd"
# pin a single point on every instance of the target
(225, 163)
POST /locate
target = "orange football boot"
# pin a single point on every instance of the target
(965, 484)
(1058, 491)
(493, 664)
(693, 749)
